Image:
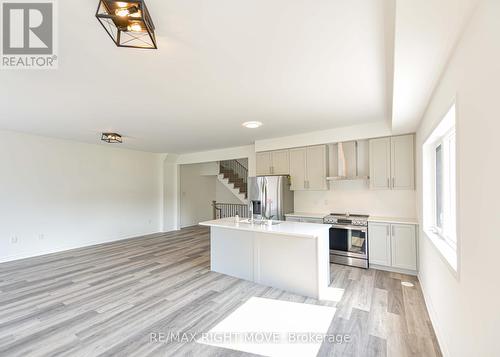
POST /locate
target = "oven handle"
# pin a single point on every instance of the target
(352, 228)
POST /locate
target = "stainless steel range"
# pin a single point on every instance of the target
(348, 239)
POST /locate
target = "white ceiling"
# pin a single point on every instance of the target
(426, 33)
(297, 66)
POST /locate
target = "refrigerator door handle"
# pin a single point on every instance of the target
(266, 206)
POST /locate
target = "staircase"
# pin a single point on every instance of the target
(234, 176)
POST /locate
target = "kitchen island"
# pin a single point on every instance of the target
(292, 256)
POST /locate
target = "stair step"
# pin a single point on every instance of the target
(233, 178)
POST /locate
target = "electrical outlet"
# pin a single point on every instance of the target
(149, 221)
(14, 239)
(41, 236)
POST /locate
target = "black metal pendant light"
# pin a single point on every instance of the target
(111, 138)
(127, 22)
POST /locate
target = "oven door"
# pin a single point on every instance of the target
(349, 241)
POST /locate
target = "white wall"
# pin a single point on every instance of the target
(171, 197)
(356, 197)
(464, 307)
(346, 133)
(238, 152)
(197, 194)
(223, 195)
(199, 186)
(73, 194)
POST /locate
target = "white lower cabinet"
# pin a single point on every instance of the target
(379, 244)
(403, 246)
(392, 245)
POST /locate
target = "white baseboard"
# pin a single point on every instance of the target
(64, 248)
(394, 270)
(432, 315)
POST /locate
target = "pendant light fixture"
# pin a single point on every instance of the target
(127, 22)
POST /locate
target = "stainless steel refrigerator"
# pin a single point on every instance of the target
(270, 197)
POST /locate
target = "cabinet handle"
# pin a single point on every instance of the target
(392, 230)
(393, 182)
(388, 183)
(387, 229)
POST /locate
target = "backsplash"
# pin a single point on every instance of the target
(356, 197)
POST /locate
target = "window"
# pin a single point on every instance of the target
(444, 188)
(439, 186)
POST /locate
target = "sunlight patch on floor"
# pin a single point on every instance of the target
(331, 294)
(274, 328)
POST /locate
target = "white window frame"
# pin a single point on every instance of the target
(440, 231)
(447, 246)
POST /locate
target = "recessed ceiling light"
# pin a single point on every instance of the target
(252, 124)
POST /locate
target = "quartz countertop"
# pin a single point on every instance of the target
(307, 215)
(400, 220)
(284, 228)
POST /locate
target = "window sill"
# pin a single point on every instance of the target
(448, 253)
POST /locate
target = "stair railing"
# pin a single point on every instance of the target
(225, 210)
(240, 170)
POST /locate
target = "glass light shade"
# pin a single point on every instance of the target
(128, 23)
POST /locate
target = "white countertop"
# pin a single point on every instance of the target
(307, 215)
(393, 220)
(284, 228)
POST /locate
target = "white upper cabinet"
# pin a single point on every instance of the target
(392, 163)
(402, 162)
(308, 168)
(316, 168)
(273, 163)
(263, 163)
(380, 163)
(280, 162)
(298, 169)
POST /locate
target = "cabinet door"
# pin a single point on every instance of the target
(280, 162)
(316, 167)
(402, 162)
(380, 163)
(298, 169)
(404, 246)
(263, 163)
(379, 244)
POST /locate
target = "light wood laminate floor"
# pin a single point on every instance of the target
(105, 300)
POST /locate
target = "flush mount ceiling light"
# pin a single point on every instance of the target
(252, 124)
(111, 138)
(127, 22)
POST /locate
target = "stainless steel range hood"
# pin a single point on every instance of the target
(347, 162)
